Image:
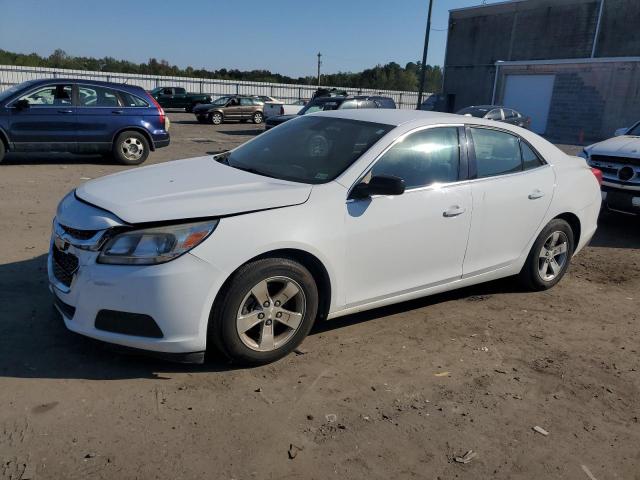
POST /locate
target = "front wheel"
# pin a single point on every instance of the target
(2, 150)
(131, 148)
(216, 118)
(257, 118)
(549, 257)
(266, 311)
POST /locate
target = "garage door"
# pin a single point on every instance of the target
(531, 96)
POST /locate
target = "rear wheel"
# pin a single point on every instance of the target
(257, 117)
(131, 148)
(550, 256)
(216, 118)
(266, 311)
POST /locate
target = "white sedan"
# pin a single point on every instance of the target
(323, 216)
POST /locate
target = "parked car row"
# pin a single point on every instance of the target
(498, 114)
(82, 116)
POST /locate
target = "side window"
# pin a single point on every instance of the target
(349, 104)
(368, 104)
(497, 152)
(494, 114)
(97, 97)
(423, 158)
(180, 91)
(233, 102)
(130, 100)
(167, 91)
(246, 102)
(508, 113)
(52, 95)
(529, 158)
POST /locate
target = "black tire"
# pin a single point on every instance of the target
(223, 330)
(3, 150)
(216, 118)
(257, 118)
(190, 108)
(125, 154)
(539, 259)
(202, 119)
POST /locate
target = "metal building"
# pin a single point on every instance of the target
(573, 66)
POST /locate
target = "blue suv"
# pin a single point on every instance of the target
(82, 116)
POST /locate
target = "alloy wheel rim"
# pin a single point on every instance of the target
(271, 313)
(216, 119)
(553, 256)
(132, 148)
(257, 118)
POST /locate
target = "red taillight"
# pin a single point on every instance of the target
(598, 174)
(281, 110)
(160, 109)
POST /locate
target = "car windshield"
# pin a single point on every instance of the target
(635, 131)
(320, 106)
(474, 112)
(313, 149)
(16, 88)
(220, 101)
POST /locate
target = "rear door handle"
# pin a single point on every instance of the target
(536, 194)
(117, 112)
(453, 211)
(65, 111)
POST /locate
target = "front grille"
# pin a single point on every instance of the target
(79, 234)
(618, 160)
(64, 266)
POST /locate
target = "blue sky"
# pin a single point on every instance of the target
(279, 35)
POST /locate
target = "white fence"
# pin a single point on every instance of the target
(11, 75)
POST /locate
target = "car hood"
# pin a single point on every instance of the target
(624, 145)
(184, 189)
(204, 107)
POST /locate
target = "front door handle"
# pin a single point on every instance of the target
(536, 194)
(453, 211)
(65, 111)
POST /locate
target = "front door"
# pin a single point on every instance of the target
(401, 243)
(47, 121)
(233, 110)
(510, 199)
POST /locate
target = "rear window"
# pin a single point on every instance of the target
(474, 112)
(130, 100)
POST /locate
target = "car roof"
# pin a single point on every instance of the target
(85, 81)
(396, 117)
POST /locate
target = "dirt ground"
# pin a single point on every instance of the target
(394, 393)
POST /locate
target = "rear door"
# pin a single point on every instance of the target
(511, 196)
(100, 115)
(48, 123)
(247, 107)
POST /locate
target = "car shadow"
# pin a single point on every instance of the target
(244, 132)
(14, 158)
(617, 230)
(34, 342)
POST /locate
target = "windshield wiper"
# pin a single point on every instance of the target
(222, 157)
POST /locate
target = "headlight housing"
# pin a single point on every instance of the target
(152, 246)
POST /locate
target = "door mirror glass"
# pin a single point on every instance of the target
(22, 104)
(379, 185)
(620, 132)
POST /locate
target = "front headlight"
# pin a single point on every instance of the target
(155, 245)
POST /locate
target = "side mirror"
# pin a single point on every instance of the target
(21, 104)
(379, 185)
(620, 131)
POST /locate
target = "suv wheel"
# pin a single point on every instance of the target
(257, 117)
(550, 256)
(216, 118)
(266, 311)
(131, 148)
(2, 150)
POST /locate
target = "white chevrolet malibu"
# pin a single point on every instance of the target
(323, 216)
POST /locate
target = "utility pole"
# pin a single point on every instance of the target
(319, 63)
(423, 69)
